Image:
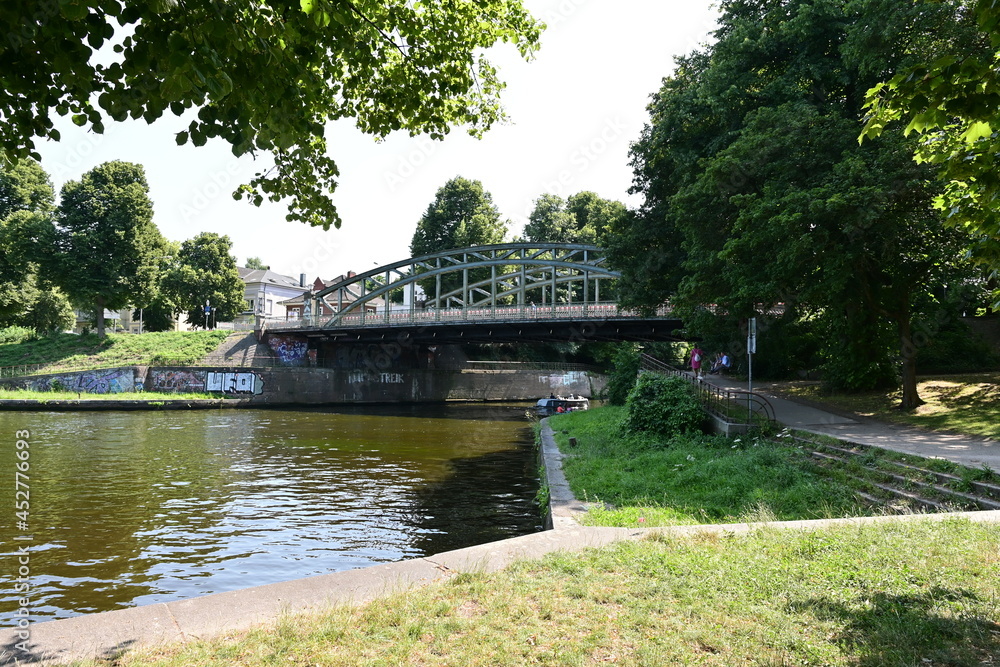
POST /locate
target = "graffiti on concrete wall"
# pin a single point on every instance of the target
(106, 381)
(358, 377)
(178, 381)
(234, 383)
(290, 350)
(567, 379)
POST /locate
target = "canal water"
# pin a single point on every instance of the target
(133, 508)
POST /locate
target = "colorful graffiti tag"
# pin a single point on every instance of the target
(178, 381)
(234, 383)
(567, 379)
(291, 350)
(106, 381)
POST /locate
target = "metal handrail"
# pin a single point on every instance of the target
(723, 402)
(530, 366)
(500, 314)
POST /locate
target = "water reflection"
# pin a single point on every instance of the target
(136, 508)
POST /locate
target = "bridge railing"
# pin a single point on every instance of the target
(521, 313)
(552, 366)
(735, 406)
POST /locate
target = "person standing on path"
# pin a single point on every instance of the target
(696, 360)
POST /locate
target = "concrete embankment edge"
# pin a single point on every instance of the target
(21, 405)
(109, 634)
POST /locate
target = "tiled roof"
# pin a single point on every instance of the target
(267, 276)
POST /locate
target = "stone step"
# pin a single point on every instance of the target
(977, 501)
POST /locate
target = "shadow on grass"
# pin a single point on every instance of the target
(939, 627)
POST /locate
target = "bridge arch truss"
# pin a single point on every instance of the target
(542, 275)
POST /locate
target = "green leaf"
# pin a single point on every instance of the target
(977, 131)
(73, 10)
(321, 18)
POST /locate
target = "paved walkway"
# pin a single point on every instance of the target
(965, 450)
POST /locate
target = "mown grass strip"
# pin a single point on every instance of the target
(649, 480)
(916, 593)
(44, 396)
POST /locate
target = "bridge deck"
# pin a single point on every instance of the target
(492, 324)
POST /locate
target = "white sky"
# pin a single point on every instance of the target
(574, 111)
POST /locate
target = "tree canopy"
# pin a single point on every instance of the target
(952, 101)
(583, 218)
(759, 199)
(461, 215)
(27, 296)
(265, 76)
(106, 243)
(204, 271)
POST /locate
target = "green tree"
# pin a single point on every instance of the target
(758, 197)
(257, 264)
(583, 218)
(157, 308)
(106, 240)
(952, 101)
(266, 77)
(27, 297)
(461, 215)
(25, 187)
(49, 312)
(205, 271)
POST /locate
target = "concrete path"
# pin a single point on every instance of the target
(109, 634)
(965, 450)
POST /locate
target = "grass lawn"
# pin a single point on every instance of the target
(643, 480)
(917, 593)
(968, 404)
(61, 352)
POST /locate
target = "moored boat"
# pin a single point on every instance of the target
(557, 404)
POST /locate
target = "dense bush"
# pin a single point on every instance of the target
(16, 335)
(952, 348)
(663, 405)
(621, 380)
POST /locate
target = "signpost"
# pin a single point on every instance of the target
(751, 350)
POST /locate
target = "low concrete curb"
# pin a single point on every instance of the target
(21, 405)
(109, 634)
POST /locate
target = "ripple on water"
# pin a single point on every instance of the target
(135, 508)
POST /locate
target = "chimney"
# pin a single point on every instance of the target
(351, 274)
(302, 280)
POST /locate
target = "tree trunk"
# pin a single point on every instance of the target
(911, 399)
(100, 317)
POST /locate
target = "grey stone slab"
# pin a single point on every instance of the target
(990, 516)
(236, 610)
(564, 508)
(498, 555)
(104, 635)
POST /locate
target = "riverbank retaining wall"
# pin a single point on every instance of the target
(318, 385)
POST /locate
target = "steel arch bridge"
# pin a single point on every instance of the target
(456, 292)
